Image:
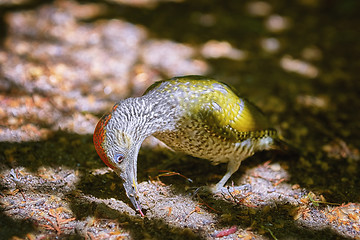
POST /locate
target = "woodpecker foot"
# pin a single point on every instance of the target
(228, 189)
(202, 190)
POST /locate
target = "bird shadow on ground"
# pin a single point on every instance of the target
(75, 152)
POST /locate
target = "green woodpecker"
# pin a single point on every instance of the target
(192, 114)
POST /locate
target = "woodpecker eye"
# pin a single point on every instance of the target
(119, 158)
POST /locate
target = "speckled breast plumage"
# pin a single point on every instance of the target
(210, 121)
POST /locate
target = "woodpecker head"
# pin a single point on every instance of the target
(118, 151)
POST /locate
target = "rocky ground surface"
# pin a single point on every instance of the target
(64, 63)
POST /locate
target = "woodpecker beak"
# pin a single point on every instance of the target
(131, 192)
(130, 185)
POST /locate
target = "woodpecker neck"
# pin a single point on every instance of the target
(140, 117)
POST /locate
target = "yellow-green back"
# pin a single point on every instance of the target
(214, 103)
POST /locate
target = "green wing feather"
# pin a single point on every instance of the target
(224, 112)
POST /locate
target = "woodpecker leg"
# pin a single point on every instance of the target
(232, 167)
